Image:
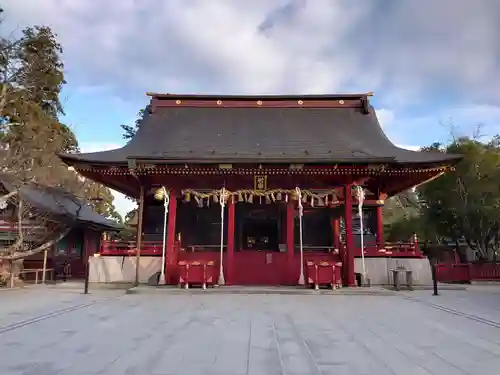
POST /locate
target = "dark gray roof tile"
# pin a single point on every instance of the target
(60, 203)
(325, 135)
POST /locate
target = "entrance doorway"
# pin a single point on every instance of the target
(260, 236)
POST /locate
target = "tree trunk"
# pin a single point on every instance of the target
(4, 273)
(20, 221)
(461, 252)
(16, 266)
(44, 274)
(483, 252)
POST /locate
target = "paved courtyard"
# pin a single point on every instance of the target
(54, 331)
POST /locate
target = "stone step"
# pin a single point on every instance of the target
(259, 290)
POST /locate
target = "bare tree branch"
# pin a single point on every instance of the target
(39, 249)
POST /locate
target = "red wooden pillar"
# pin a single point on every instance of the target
(290, 242)
(349, 239)
(138, 244)
(336, 232)
(380, 227)
(171, 266)
(230, 241)
(87, 251)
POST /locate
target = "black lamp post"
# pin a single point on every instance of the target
(86, 259)
(434, 278)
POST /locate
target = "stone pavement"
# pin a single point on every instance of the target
(50, 331)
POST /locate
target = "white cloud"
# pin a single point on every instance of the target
(122, 204)
(443, 55)
(410, 147)
(443, 125)
(406, 49)
(385, 117)
(98, 146)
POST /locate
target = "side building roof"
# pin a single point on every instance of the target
(60, 203)
(240, 129)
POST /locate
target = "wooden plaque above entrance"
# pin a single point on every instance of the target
(260, 182)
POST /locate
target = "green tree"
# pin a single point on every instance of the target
(31, 134)
(131, 130)
(464, 204)
(402, 216)
(41, 72)
(31, 79)
(131, 216)
(101, 199)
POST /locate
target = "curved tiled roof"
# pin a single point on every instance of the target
(270, 134)
(58, 202)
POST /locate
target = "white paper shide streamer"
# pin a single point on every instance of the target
(222, 201)
(166, 203)
(301, 212)
(361, 197)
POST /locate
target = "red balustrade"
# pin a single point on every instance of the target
(467, 272)
(448, 273)
(124, 248)
(485, 271)
(391, 249)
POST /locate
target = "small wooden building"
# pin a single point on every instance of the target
(258, 155)
(55, 205)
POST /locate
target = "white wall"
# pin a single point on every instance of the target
(378, 269)
(109, 269)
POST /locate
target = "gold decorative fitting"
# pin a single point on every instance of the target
(341, 101)
(219, 102)
(178, 102)
(159, 194)
(259, 102)
(300, 102)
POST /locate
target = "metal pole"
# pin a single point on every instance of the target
(87, 276)
(301, 245)
(44, 266)
(222, 202)
(166, 202)
(139, 236)
(434, 279)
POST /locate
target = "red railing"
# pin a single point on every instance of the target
(467, 272)
(123, 248)
(453, 273)
(485, 271)
(391, 249)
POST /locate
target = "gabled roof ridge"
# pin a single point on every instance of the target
(260, 96)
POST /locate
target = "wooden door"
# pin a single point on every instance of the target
(260, 268)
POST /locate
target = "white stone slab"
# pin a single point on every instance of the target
(110, 333)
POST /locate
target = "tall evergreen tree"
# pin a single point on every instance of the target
(129, 130)
(31, 132)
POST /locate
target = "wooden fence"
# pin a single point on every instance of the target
(467, 272)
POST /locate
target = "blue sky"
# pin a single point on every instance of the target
(430, 63)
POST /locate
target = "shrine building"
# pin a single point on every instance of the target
(267, 184)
